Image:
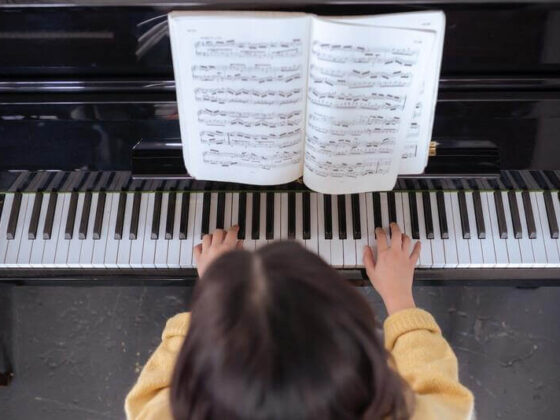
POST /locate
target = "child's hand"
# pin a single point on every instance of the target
(391, 275)
(213, 245)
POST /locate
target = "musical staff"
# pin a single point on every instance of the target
(337, 53)
(220, 118)
(355, 79)
(251, 159)
(349, 146)
(248, 96)
(242, 73)
(368, 120)
(325, 168)
(245, 49)
(371, 101)
(241, 139)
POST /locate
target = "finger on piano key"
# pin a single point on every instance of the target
(438, 249)
(337, 250)
(256, 215)
(186, 258)
(221, 210)
(21, 245)
(550, 245)
(161, 244)
(213, 219)
(449, 243)
(228, 221)
(235, 210)
(385, 215)
(425, 259)
(75, 243)
(261, 241)
(324, 244)
(299, 219)
(270, 215)
(494, 230)
(514, 253)
(475, 247)
(138, 242)
(249, 242)
(34, 222)
(38, 246)
(463, 252)
(174, 246)
(284, 222)
(86, 253)
(349, 244)
(525, 244)
(125, 243)
(170, 218)
(277, 216)
(112, 244)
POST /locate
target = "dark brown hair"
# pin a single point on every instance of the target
(277, 334)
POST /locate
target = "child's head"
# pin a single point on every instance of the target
(278, 334)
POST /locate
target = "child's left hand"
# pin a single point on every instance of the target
(215, 244)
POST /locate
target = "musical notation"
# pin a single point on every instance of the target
(248, 96)
(349, 146)
(251, 159)
(378, 120)
(243, 73)
(237, 138)
(410, 151)
(337, 53)
(413, 130)
(371, 101)
(355, 79)
(351, 131)
(245, 49)
(221, 118)
(322, 168)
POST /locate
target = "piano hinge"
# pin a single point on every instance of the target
(432, 149)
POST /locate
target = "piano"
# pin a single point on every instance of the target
(93, 188)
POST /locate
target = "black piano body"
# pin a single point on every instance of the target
(87, 94)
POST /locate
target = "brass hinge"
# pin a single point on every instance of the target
(433, 148)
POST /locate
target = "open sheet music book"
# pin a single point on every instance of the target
(346, 102)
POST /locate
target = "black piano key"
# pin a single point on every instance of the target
(428, 221)
(515, 218)
(69, 230)
(413, 208)
(34, 223)
(256, 216)
(392, 207)
(221, 210)
(269, 215)
(442, 215)
(327, 210)
(518, 179)
(242, 215)
(84, 222)
(135, 217)
(184, 222)
(500, 215)
(14, 216)
(551, 215)
(539, 179)
(479, 215)
(306, 208)
(291, 215)
(205, 227)
(49, 219)
(529, 217)
(553, 178)
(2, 198)
(99, 213)
(341, 203)
(156, 216)
(119, 225)
(377, 221)
(170, 221)
(464, 215)
(356, 223)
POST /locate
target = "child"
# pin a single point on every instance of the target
(277, 334)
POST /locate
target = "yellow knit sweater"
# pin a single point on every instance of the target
(422, 357)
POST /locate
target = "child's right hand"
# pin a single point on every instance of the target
(393, 271)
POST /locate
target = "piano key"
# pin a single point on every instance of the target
(550, 214)
(306, 214)
(529, 215)
(515, 220)
(161, 243)
(2, 199)
(399, 211)
(135, 218)
(327, 215)
(436, 243)
(299, 219)
(54, 245)
(71, 215)
(49, 217)
(277, 216)
(249, 242)
(385, 215)
(349, 244)
(98, 258)
(553, 179)
(227, 211)
(514, 253)
(291, 215)
(463, 213)
(550, 245)
(220, 212)
(525, 244)
(487, 243)
(205, 216)
(186, 254)
(356, 220)
(493, 230)
(137, 239)
(212, 222)
(256, 214)
(341, 205)
(75, 243)
(407, 219)
(38, 246)
(363, 239)
(270, 215)
(449, 244)
(284, 216)
(413, 213)
(155, 215)
(370, 227)
(14, 216)
(556, 206)
(174, 246)
(241, 216)
(99, 214)
(86, 253)
(235, 209)
(377, 219)
(500, 214)
(428, 220)
(392, 207)
(324, 243)
(19, 250)
(84, 220)
(125, 243)
(34, 222)
(425, 259)
(184, 223)
(539, 179)
(463, 251)
(478, 215)
(119, 225)
(149, 249)
(474, 243)
(4, 219)
(442, 215)
(262, 221)
(170, 219)
(337, 250)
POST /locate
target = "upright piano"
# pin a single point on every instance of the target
(93, 186)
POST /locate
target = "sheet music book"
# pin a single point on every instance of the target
(347, 103)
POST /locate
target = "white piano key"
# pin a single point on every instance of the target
(228, 222)
(363, 242)
(86, 253)
(249, 243)
(234, 208)
(337, 249)
(474, 243)
(299, 219)
(450, 244)
(551, 245)
(186, 258)
(438, 248)
(125, 244)
(160, 257)
(385, 215)
(323, 243)
(312, 244)
(259, 243)
(149, 250)
(425, 249)
(487, 244)
(500, 248)
(514, 253)
(12, 247)
(75, 244)
(539, 248)
(25, 244)
(284, 216)
(277, 216)
(370, 223)
(213, 212)
(8, 201)
(137, 245)
(525, 244)
(463, 251)
(197, 238)
(50, 251)
(112, 244)
(174, 244)
(349, 244)
(399, 210)
(39, 243)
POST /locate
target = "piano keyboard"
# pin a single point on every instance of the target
(468, 227)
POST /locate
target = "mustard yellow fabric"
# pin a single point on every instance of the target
(420, 354)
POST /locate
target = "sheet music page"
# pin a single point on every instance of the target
(362, 90)
(416, 147)
(241, 81)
